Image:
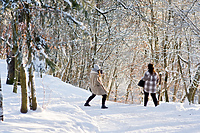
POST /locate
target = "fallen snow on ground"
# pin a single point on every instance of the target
(61, 110)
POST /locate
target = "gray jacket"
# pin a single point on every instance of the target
(95, 83)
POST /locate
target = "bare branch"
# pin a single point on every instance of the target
(189, 21)
(182, 59)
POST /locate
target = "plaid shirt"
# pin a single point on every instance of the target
(151, 81)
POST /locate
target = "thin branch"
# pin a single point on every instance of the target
(182, 59)
(52, 9)
(138, 13)
(102, 13)
(189, 21)
(3, 39)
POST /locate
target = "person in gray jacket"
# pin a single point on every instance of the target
(96, 86)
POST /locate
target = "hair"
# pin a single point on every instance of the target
(151, 68)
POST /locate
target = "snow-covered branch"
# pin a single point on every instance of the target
(3, 39)
(128, 8)
(188, 20)
(52, 9)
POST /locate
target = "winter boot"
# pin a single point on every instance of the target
(103, 107)
(103, 102)
(86, 104)
(89, 99)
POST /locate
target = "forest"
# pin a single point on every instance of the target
(65, 38)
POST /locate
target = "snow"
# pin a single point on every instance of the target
(61, 110)
(70, 4)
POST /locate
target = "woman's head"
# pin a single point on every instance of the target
(97, 68)
(151, 68)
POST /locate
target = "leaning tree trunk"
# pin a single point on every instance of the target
(184, 82)
(23, 90)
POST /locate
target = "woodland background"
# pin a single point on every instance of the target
(65, 38)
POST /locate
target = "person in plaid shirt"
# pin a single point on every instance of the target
(150, 86)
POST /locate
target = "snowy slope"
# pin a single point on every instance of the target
(61, 110)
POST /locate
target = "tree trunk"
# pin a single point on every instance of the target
(166, 88)
(1, 102)
(160, 89)
(82, 71)
(165, 66)
(128, 91)
(199, 98)
(33, 101)
(23, 90)
(69, 74)
(175, 90)
(116, 91)
(194, 85)
(112, 82)
(15, 77)
(130, 84)
(11, 68)
(177, 82)
(14, 50)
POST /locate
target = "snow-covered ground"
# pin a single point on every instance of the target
(61, 110)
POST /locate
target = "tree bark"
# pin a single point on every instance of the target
(14, 50)
(199, 98)
(1, 102)
(33, 102)
(128, 91)
(112, 82)
(185, 86)
(160, 89)
(116, 90)
(23, 90)
(194, 85)
(165, 66)
(16, 77)
(11, 68)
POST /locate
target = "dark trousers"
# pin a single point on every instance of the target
(93, 95)
(146, 96)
